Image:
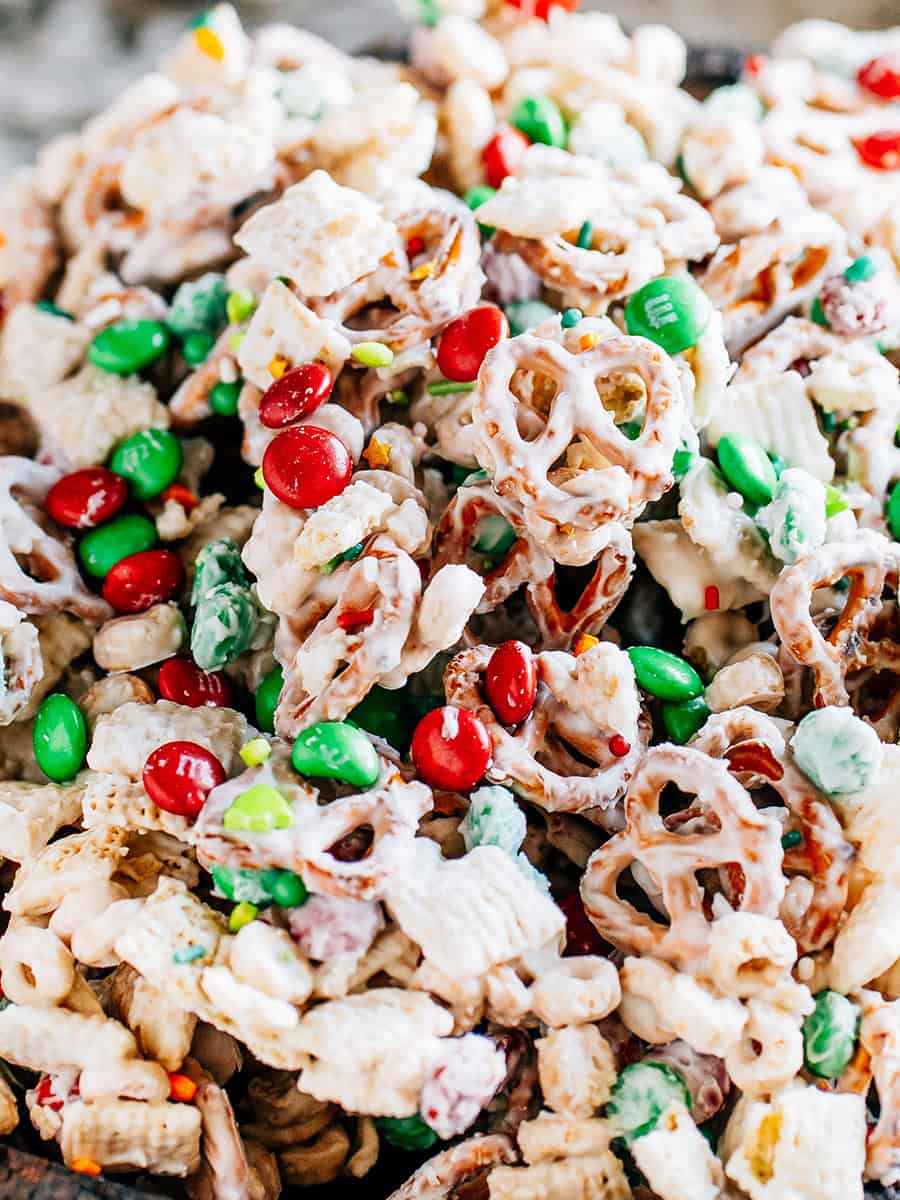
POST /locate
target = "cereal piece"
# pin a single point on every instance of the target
(37, 350)
(32, 813)
(123, 739)
(282, 325)
(576, 1068)
(126, 1135)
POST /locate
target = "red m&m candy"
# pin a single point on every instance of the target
(178, 776)
(503, 154)
(451, 749)
(466, 341)
(141, 580)
(510, 682)
(296, 394)
(182, 681)
(881, 77)
(305, 466)
(880, 150)
(541, 8)
(85, 499)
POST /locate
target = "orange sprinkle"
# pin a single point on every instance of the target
(417, 274)
(181, 1088)
(278, 366)
(209, 43)
(587, 341)
(377, 454)
(2, 239)
(181, 495)
(567, 530)
(585, 642)
(85, 1166)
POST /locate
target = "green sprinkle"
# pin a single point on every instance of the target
(240, 306)
(585, 236)
(373, 354)
(399, 397)
(447, 387)
(259, 479)
(829, 422)
(188, 954)
(834, 501)
(332, 565)
(681, 463)
(572, 316)
(235, 342)
(354, 552)
(242, 914)
(817, 314)
(47, 306)
(861, 269)
(256, 751)
(199, 21)
(791, 839)
(283, 279)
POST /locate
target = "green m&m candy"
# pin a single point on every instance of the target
(829, 1035)
(224, 397)
(747, 467)
(382, 713)
(287, 889)
(406, 1133)
(336, 750)
(663, 674)
(474, 198)
(526, 314)
(199, 306)
(103, 547)
(260, 810)
(540, 120)
(266, 699)
(149, 460)
(862, 268)
(225, 624)
(671, 312)
(893, 512)
(641, 1094)
(837, 750)
(196, 347)
(128, 346)
(59, 738)
(684, 718)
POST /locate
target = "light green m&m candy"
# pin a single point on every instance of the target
(128, 346)
(837, 751)
(747, 467)
(829, 1035)
(59, 738)
(672, 312)
(149, 460)
(260, 810)
(641, 1094)
(225, 624)
(103, 547)
(494, 819)
(540, 120)
(663, 674)
(218, 562)
(199, 306)
(336, 750)
(267, 697)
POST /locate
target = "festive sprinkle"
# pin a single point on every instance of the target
(181, 495)
(571, 317)
(373, 354)
(240, 306)
(567, 530)
(188, 954)
(331, 565)
(792, 839)
(353, 553)
(587, 341)
(256, 751)
(398, 396)
(356, 618)
(417, 274)
(585, 236)
(415, 246)
(278, 366)
(447, 387)
(181, 1089)
(585, 642)
(85, 1166)
(242, 914)
(619, 746)
(235, 342)
(259, 478)
(711, 599)
(209, 43)
(377, 454)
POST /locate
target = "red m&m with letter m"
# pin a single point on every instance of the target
(178, 776)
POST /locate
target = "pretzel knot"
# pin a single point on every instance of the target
(755, 750)
(400, 305)
(37, 569)
(721, 829)
(559, 757)
(546, 436)
(350, 846)
(871, 564)
(359, 638)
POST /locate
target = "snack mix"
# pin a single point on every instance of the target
(449, 555)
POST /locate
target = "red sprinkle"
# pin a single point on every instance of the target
(618, 746)
(451, 749)
(182, 681)
(306, 466)
(141, 580)
(466, 341)
(414, 246)
(296, 394)
(85, 499)
(503, 154)
(356, 618)
(181, 495)
(510, 682)
(45, 1095)
(754, 64)
(880, 151)
(881, 77)
(711, 598)
(178, 776)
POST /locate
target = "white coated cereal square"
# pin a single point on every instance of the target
(283, 326)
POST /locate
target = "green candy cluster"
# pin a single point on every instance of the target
(829, 1035)
(836, 750)
(494, 819)
(227, 614)
(641, 1094)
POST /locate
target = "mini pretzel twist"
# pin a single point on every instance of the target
(871, 563)
(415, 309)
(571, 710)
(606, 476)
(755, 748)
(441, 1175)
(51, 581)
(723, 831)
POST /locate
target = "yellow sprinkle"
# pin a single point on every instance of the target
(567, 530)
(761, 1155)
(377, 454)
(587, 341)
(585, 642)
(278, 366)
(259, 478)
(417, 274)
(209, 43)
(256, 751)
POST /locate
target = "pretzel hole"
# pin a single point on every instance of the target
(353, 846)
(474, 1188)
(35, 567)
(536, 393)
(621, 393)
(649, 904)
(377, 315)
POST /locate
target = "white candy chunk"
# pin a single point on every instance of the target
(461, 49)
(348, 519)
(873, 819)
(472, 913)
(268, 959)
(320, 235)
(31, 813)
(676, 1159)
(795, 518)
(37, 349)
(283, 326)
(241, 1002)
(576, 1068)
(537, 206)
(853, 378)
(868, 943)
(805, 1145)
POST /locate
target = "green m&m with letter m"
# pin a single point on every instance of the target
(672, 312)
